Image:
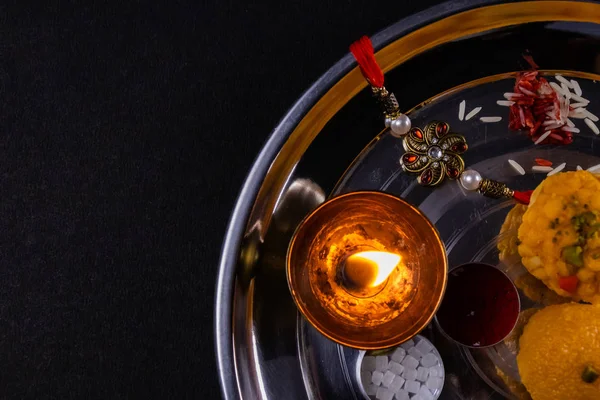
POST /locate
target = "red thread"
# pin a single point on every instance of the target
(523, 197)
(530, 61)
(543, 162)
(362, 50)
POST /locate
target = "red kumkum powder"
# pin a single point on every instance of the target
(481, 305)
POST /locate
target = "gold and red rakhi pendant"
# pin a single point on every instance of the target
(434, 152)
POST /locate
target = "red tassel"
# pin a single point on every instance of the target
(362, 50)
(523, 197)
(530, 61)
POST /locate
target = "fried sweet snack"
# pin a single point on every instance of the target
(560, 235)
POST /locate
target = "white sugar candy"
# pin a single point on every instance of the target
(398, 355)
(424, 346)
(410, 362)
(429, 360)
(381, 363)
(413, 351)
(384, 394)
(397, 384)
(371, 389)
(408, 344)
(402, 395)
(368, 364)
(388, 378)
(377, 377)
(395, 367)
(412, 386)
(436, 371)
(422, 374)
(365, 377)
(409, 374)
(425, 393)
(434, 383)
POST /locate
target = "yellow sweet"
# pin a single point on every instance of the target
(508, 244)
(551, 241)
(556, 346)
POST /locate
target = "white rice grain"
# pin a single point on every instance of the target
(527, 92)
(543, 137)
(512, 95)
(473, 113)
(540, 168)
(592, 126)
(570, 129)
(557, 169)
(579, 168)
(517, 167)
(490, 119)
(563, 80)
(553, 126)
(594, 168)
(505, 103)
(461, 110)
(564, 113)
(577, 105)
(570, 123)
(590, 115)
(557, 88)
(577, 114)
(579, 98)
(566, 91)
(576, 87)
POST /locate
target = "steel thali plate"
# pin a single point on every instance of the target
(332, 142)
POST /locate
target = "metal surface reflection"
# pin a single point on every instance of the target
(270, 348)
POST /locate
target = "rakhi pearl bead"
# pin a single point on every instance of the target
(388, 122)
(470, 179)
(400, 126)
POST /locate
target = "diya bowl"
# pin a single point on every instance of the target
(333, 141)
(367, 270)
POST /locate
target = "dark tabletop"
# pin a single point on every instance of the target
(127, 131)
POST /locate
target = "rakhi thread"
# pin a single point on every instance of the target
(400, 126)
(363, 52)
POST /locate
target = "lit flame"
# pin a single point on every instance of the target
(370, 268)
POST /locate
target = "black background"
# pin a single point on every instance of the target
(127, 131)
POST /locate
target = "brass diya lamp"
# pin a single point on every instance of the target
(367, 270)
